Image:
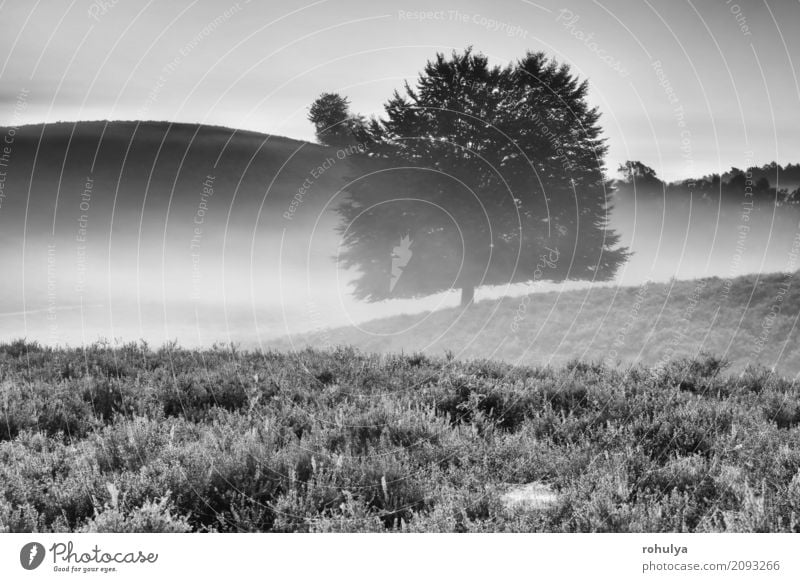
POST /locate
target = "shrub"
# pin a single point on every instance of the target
(151, 517)
(224, 440)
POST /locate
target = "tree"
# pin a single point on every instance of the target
(334, 124)
(635, 171)
(493, 174)
(640, 180)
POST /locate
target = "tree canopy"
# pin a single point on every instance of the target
(492, 175)
(770, 184)
(330, 114)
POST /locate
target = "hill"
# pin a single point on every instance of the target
(158, 231)
(136, 440)
(749, 319)
(151, 229)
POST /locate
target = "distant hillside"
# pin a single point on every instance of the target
(150, 170)
(745, 320)
(141, 221)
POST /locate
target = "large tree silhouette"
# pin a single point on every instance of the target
(480, 175)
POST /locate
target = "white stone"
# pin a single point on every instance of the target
(533, 495)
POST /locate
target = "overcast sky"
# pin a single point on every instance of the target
(688, 87)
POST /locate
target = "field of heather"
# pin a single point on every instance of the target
(135, 439)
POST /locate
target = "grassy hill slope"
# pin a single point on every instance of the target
(129, 242)
(751, 319)
(134, 440)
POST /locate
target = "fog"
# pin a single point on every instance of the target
(700, 237)
(210, 253)
(222, 250)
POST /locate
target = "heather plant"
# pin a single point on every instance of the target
(136, 439)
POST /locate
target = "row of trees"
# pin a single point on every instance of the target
(477, 173)
(639, 179)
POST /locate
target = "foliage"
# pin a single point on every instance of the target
(770, 184)
(638, 174)
(223, 440)
(330, 114)
(485, 169)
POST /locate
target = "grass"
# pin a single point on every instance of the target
(745, 320)
(135, 439)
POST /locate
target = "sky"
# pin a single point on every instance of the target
(688, 87)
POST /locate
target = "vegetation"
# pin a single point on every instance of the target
(334, 125)
(486, 170)
(135, 439)
(767, 185)
(750, 319)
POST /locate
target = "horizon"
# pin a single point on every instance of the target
(199, 62)
(611, 173)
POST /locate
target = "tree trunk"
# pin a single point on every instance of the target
(467, 295)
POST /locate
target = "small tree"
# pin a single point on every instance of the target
(331, 117)
(493, 175)
(636, 171)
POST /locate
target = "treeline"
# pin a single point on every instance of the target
(770, 183)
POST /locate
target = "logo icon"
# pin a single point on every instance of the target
(31, 555)
(401, 254)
